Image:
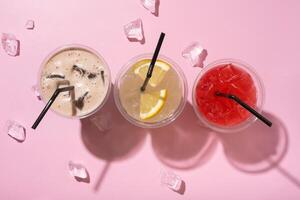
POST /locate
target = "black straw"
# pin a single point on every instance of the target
(51, 100)
(246, 106)
(153, 61)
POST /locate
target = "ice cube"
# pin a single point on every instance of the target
(78, 171)
(10, 44)
(171, 180)
(62, 83)
(29, 25)
(227, 74)
(151, 5)
(102, 121)
(36, 92)
(134, 30)
(15, 130)
(195, 53)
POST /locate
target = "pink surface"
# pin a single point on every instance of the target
(125, 163)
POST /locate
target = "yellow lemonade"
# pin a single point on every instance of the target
(160, 102)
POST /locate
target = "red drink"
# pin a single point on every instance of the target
(226, 77)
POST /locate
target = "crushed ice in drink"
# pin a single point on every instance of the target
(62, 83)
(29, 25)
(78, 171)
(134, 30)
(227, 72)
(171, 180)
(36, 92)
(102, 121)
(78, 68)
(53, 76)
(15, 130)
(10, 44)
(150, 5)
(195, 53)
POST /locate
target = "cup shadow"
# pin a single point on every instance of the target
(184, 144)
(156, 14)
(110, 137)
(258, 148)
(288, 175)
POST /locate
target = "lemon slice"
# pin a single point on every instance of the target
(158, 73)
(151, 103)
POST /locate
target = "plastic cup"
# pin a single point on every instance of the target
(169, 112)
(259, 96)
(92, 84)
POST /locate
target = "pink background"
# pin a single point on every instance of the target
(125, 163)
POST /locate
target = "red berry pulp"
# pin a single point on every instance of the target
(225, 78)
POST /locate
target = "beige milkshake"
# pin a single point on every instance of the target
(79, 67)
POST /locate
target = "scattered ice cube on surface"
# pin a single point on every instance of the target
(10, 44)
(171, 180)
(102, 121)
(150, 5)
(29, 25)
(195, 53)
(15, 130)
(78, 171)
(36, 92)
(134, 30)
